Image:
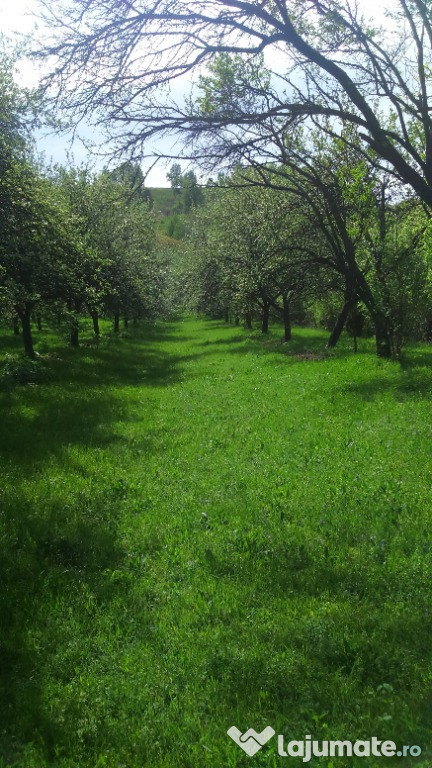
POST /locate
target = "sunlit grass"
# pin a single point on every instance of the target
(201, 528)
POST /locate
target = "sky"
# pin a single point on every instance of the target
(16, 19)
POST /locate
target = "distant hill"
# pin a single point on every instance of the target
(165, 200)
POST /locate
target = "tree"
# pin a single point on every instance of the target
(340, 183)
(37, 241)
(337, 66)
(186, 187)
(174, 176)
(121, 232)
(395, 245)
(87, 286)
(248, 257)
(37, 248)
(191, 193)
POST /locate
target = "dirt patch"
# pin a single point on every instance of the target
(309, 356)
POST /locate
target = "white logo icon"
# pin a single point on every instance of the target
(251, 741)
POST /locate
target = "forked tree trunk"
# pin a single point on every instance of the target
(286, 317)
(340, 323)
(25, 317)
(383, 336)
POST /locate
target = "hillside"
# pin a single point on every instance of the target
(165, 200)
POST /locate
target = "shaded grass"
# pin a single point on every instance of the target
(203, 528)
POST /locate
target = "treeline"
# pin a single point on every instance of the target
(73, 243)
(187, 195)
(328, 250)
(321, 233)
(326, 238)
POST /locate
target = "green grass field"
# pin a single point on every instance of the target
(201, 529)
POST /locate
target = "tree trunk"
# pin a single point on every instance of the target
(116, 322)
(265, 317)
(237, 320)
(126, 321)
(226, 316)
(95, 318)
(339, 325)
(382, 336)
(39, 322)
(25, 317)
(382, 331)
(248, 321)
(16, 328)
(74, 332)
(286, 317)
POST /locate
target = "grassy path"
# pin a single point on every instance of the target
(200, 529)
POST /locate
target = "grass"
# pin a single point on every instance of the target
(201, 528)
(164, 200)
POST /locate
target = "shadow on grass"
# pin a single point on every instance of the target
(304, 346)
(223, 342)
(409, 383)
(57, 557)
(52, 561)
(417, 358)
(74, 403)
(58, 553)
(366, 619)
(310, 345)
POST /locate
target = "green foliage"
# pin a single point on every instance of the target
(15, 371)
(199, 528)
(174, 226)
(185, 185)
(122, 231)
(36, 239)
(174, 175)
(250, 245)
(398, 243)
(72, 242)
(130, 175)
(232, 85)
